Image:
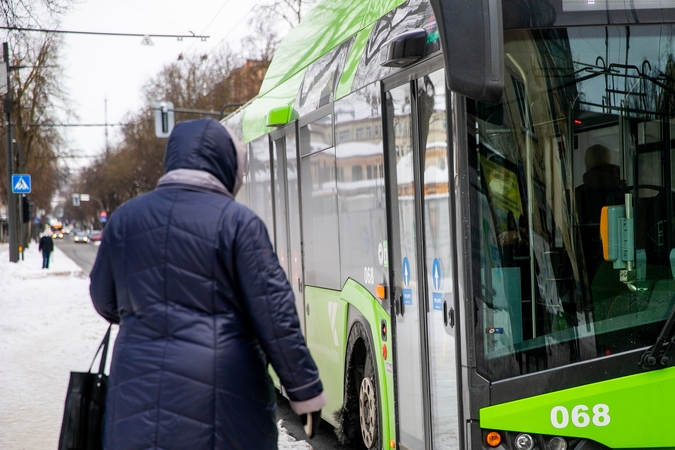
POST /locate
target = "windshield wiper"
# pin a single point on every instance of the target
(660, 355)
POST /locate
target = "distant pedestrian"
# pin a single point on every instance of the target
(203, 306)
(46, 246)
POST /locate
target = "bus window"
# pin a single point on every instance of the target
(259, 177)
(361, 189)
(319, 204)
(565, 142)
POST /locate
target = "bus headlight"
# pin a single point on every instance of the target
(557, 443)
(524, 442)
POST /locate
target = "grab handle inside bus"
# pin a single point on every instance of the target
(617, 236)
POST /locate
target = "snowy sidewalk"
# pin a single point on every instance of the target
(48, 327)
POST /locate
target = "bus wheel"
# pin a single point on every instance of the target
(359, 418)
(368, 408)
(363, 364)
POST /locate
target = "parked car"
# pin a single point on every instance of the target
(81, 237)
(96, 235)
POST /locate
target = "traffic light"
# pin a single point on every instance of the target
(25, 210)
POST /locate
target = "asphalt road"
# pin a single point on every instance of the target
(84, 255)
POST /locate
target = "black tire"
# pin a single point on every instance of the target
(369, 411)
(359, 417)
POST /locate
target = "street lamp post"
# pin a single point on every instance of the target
(11, 198)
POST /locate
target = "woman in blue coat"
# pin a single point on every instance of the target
(203, 306)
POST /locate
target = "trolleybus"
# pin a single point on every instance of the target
(473, 202)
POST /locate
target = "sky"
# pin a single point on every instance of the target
(100, 68)
(48, 327)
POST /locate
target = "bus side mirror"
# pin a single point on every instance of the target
(406, 48)
(472, 37)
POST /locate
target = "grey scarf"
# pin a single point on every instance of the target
(196, 178)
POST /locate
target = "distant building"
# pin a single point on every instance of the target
(244, 82)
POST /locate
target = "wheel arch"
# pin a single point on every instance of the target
(366, 313)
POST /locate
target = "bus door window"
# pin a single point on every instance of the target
(410, 364)
(438, 259)
(280, 206)
(295, 263)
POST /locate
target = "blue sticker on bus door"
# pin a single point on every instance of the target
(436, 274)
(438, 301)
(407, 296)
(437, 297)
(405, 272)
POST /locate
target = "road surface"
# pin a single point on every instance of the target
(83, 255)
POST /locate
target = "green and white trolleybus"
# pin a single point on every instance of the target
(473, 202)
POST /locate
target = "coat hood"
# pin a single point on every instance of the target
(205, 144)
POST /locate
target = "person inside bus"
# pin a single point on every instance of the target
(203, 307)
(601, 187)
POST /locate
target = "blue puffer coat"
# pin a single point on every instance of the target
(203, 305)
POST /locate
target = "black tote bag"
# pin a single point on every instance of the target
(82, 427)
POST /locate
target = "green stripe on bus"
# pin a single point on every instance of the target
(327, 25)
(327, 337)
(352, 63)
(609, 412)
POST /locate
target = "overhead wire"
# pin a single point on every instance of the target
(234, 28)
(101, 33)
(55, 125)
(156, 16)
(209, 24)
(251, 9)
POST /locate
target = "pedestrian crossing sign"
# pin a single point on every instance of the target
(21, 184)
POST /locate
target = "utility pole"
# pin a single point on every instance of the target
(11, 198)
(22, 237)
(107, 149)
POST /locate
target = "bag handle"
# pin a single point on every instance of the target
(104, 355)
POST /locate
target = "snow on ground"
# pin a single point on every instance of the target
(48, 327)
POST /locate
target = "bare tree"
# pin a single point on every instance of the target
(289, 11)
(25, 13)
(38, 102)
(263, 41)
(269, 22)
(136, 163)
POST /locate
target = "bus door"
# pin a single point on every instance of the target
(421, 260)
(287, 211)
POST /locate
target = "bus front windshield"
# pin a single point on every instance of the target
(587, 121)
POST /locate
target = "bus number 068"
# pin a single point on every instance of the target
(560, 416)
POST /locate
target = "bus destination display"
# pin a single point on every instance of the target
(603, 5)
